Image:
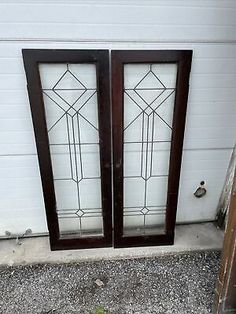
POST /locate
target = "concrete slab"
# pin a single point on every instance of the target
(202, 236)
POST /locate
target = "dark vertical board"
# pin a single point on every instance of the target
(32, 57)
(183, 59)
(226, 283)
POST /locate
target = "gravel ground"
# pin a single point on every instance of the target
(181, 283)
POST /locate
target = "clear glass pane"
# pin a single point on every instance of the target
(149, 94)
(70, 99)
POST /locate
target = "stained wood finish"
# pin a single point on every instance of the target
(183, 59)
(226, 283)
(101, 59)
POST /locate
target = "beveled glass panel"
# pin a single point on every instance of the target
(149, 96)
(70, 100)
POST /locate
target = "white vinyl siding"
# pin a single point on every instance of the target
(207, 27)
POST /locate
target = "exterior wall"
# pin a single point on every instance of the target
(208, 27)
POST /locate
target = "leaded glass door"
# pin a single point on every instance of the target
(69, 97)
(70, 103)
(150, 91)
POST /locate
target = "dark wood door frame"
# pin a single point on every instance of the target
(183, 59)
(32, 58)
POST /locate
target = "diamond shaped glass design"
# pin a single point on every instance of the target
(80, 213)
(148, 110)
(144, 210)
(70, 98)
(149, 91)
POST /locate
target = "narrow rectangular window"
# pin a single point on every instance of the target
(150, 91)
(69, 97)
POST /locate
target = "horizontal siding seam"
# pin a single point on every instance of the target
(121, 3)
(119, 41)
(119, 24)
(185, 149)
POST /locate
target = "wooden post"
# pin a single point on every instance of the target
(224, 202)
(226, 283)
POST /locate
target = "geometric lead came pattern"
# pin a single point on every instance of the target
(74, 115)
(145, 126)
